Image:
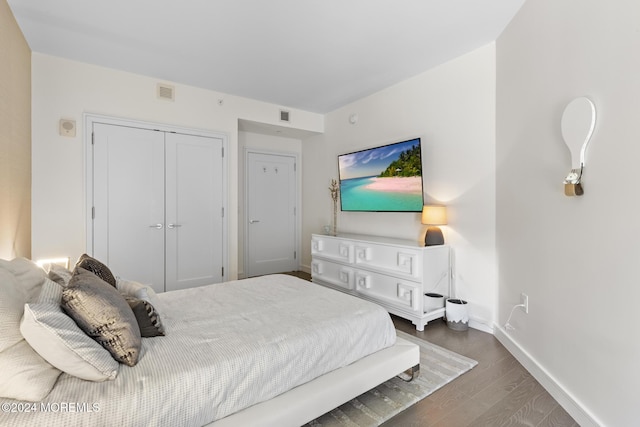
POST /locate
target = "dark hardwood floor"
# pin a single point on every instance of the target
(497, 392)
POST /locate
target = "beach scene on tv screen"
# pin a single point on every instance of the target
(387, 178)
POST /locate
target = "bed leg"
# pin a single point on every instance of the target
(410, 374)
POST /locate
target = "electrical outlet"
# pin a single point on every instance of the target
(524, 300)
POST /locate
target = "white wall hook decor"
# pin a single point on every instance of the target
(578, 123)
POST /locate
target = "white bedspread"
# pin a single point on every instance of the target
(228, 346)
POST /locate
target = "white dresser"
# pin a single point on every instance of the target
(391, 272)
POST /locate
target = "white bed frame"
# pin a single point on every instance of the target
(304, 403)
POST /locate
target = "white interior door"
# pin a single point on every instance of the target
(194, 211)
(271, 213)
(128, 200)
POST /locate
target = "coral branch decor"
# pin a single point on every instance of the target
(334, 189)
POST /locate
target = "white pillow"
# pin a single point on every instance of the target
(24, 374)
(20, 282)
(11, 305)
(133, 289)
(50, 292)
(59, 274)
(140, 291)
(29, 275)
(59, 340)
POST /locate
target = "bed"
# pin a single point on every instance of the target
(267, 351)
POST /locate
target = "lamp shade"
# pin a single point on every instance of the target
(434, 215)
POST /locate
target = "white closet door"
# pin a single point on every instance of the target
(194, 241)
(128, 228)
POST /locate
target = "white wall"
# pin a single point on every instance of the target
(67, 89)
(452, 108)
(265, 143)
(576, 258)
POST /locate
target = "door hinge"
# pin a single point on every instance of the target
(222, 151)
(93, 212)
(295, 166)
(93, 139)
(295, 255)
(222, 271)
(223, 212)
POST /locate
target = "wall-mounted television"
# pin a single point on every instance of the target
(387, 178)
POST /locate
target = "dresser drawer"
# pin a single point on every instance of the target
(389, 291)
(332, 248)
(388, 259)
(332, 273)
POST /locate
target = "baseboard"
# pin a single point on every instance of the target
(305, 268)
(570, 404)
(480, 324)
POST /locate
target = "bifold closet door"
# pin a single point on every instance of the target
(194, 241)
(129, 203)
(158, 206)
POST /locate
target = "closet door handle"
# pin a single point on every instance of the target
(158, 226)
(253, 221)
(174, 225)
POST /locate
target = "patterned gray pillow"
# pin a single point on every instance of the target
(103, 314)
(147, 317)
(96, 267)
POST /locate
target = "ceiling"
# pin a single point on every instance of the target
(312, 55)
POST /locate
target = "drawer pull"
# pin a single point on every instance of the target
(316, 268)
(406, 262)
(345, 277)
(408, 294)
(343, 251)
(364, 282)
(363, 254)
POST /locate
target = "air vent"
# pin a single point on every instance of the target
(284, 116)
(166, 92)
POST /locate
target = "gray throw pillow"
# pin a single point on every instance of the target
(103, 314)
(96, 267)
(147, 317)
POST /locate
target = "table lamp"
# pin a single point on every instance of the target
(434, 216)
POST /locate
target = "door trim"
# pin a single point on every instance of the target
(245, 219)
(89, 119)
